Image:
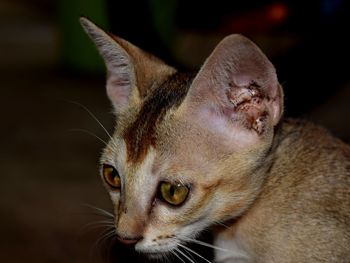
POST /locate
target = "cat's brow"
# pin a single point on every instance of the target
(141, 134)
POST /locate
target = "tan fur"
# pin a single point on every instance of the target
(302, 213)
(281, 188)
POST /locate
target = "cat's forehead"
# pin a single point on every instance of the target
(141, 132)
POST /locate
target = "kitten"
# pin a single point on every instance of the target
(210, 150)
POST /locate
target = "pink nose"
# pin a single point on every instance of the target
(129, 240)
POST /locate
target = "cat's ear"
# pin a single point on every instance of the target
(131, 72)
(236, 89)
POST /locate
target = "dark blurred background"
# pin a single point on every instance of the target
(49, 170)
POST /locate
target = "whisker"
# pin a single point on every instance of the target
(90, 228)
(205, 244)
(183, 254)
(104, 236)
(229, 252)
(222, 224)
(107, 232)
(176, 255)
(110, 247)
(108, 223)
(100, 211)
(189, 254)
(90, 133)
(98, 224)
(194, 252)
(95, 118)
(102, 222)
(92, 115)
(166, 258)
(91, 213)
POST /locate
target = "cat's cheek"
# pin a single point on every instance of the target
(115, 197)
(193, 230)
(231, 205)
(182, 223)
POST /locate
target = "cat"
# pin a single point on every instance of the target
(212, 150)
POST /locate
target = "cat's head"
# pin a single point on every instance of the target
(188, 149)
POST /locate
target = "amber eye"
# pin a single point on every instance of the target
(111, 176)
(174, 194)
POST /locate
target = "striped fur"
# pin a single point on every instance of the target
(141, 133)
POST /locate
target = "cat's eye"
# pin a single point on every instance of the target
(111, 176)
(174, 194)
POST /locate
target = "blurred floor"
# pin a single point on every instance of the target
(48, 171)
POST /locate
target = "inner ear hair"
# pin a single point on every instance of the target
(132, 72)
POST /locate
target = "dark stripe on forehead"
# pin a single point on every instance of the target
(141, 134)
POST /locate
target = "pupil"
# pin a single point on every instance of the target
(114, 173)
(172, 190)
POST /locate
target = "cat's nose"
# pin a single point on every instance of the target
(129, 240)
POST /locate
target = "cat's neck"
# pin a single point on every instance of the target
(301, 147)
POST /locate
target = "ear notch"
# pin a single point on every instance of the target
(131, 71)
(239, 84)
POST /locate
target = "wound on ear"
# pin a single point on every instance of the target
(249, 104)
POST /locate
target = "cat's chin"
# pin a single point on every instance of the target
(156, 255)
